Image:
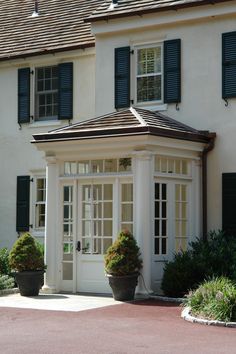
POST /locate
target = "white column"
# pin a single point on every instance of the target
(51, 237)
(143, 181)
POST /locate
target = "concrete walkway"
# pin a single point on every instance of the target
(57, 302)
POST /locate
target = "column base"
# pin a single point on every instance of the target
(47, 289)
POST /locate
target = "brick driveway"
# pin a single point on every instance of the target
(142, 327)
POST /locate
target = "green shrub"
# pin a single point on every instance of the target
(6, 282)
(26, 254)
(215, 256)
(123, 256)
(4, 261)
(215, 299)
(180, 275)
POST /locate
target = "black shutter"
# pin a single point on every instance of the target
(65, 91)
(22, 203)
(23, 95)
(122, 77)
(229, 65)
(229, 202)
(172, 71)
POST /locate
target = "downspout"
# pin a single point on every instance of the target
(207, 149)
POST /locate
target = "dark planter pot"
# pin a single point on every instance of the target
(123, 287)
(29, 282)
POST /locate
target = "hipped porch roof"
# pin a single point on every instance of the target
(128, 122)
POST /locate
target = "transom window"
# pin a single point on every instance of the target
(46, 100)
(149, 74)
(97, 166)
(172, 166)
(40, 203)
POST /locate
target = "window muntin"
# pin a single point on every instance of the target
(181, 217)
(40, 203)
(149, 74)
(97, 218)
(98, 166)
(46, 93)
(160, 219)
(164, 165)
(67, 244)
(127, 206)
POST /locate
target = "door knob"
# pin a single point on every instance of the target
(78, 247)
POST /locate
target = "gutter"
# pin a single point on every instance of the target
(208, 148)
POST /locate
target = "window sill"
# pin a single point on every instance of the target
(48, 123)
(154, 107)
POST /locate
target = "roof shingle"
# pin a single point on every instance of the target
(60, 26)
(126, 8)
(132, 121)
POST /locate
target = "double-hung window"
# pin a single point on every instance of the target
(53, 93)
(149, 74)
(156, 74)
(46, 93)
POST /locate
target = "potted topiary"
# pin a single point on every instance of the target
(26, 260)
(122, 266)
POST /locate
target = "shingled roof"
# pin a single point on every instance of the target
(125, 8)
(60, 26)
(132, 121)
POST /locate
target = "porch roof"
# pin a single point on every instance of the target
(128, 122)
(125, 8)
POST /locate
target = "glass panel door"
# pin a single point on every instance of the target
(97, 218)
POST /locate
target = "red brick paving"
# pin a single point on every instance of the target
(142, 327)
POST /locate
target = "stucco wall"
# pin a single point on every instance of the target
(201, 106)
(17, 155)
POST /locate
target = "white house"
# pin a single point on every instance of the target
(152, 149)
(47, 80)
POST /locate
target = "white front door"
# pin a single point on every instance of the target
(94, 211)
(170, 225)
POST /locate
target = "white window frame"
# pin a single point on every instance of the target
(37, 229)
(36, 94)
(147, 104)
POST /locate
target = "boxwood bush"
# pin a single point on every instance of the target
(4, 261)
(214, 299)
(215, 256)
(6, 282)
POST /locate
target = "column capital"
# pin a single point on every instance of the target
(51, 160)
(143, 154)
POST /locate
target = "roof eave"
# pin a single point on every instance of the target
(96, 18)
(47, 51)
(173, 134)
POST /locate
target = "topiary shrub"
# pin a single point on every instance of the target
(214, 299)
(215, 256)
(6, 282)
(26, 255)
(4, 261)
(123, 256)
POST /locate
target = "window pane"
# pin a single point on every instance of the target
(83, 167)
(67, 271)
(111, 165)
(107, 242)
(127, 212)
(107, 228)
(108, 192)
(149, 88)
(127, 192)
(97, 166)
(107, 213)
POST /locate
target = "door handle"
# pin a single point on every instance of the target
(78, 247)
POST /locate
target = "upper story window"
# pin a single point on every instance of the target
(53, 93)
(157, 71)
(149, 74)
(46, 93)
